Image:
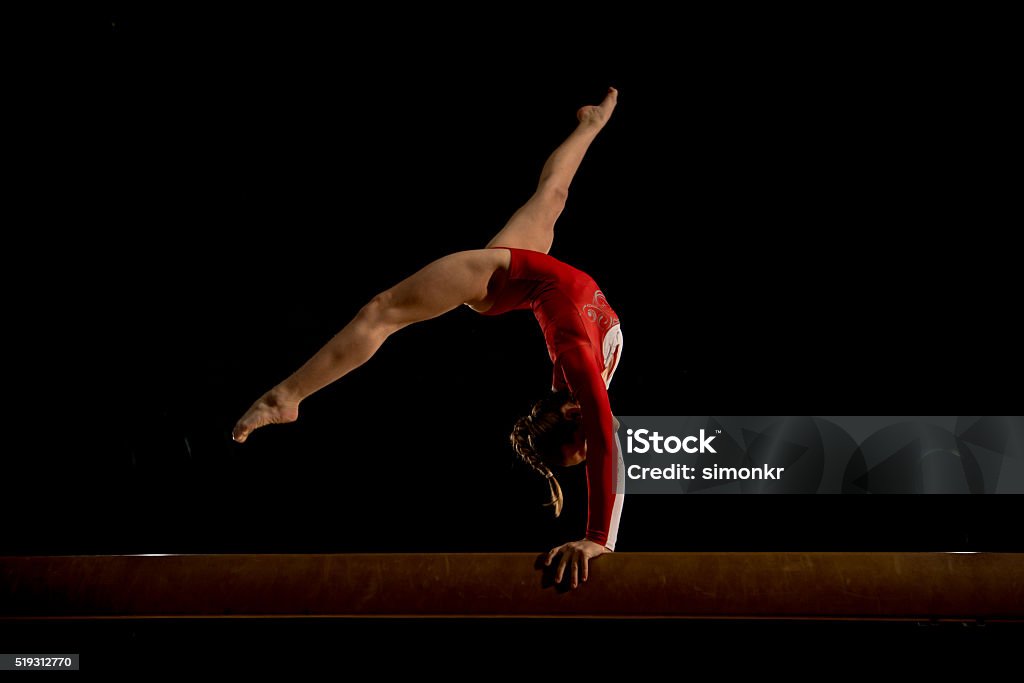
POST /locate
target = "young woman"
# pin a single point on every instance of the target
(582, 332)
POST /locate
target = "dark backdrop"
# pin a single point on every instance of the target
(788, 222)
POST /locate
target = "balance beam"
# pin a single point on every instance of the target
(900, 586)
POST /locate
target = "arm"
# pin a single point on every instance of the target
(585, 382)
(584, 379)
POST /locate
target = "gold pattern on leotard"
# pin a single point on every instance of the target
(599, 311)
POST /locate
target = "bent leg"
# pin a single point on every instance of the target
(460, 278)
(533, 225)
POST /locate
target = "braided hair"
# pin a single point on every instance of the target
(538, 437)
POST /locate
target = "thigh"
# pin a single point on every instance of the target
(533, 225)
(459, 278)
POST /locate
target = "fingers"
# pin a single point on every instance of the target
(576, 560)
(561, 567)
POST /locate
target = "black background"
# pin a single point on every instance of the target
(788, 220)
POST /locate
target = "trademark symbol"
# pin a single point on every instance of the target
(718, 431)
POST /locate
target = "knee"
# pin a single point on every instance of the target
(555, 194)
(378, 311)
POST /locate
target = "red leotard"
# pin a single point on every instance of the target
(584, 339)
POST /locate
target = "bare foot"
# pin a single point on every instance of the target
(271, 408)
(600, 113)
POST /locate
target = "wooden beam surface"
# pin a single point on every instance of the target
(917, 586)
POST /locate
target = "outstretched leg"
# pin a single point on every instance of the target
(460, 278)
(533, 225)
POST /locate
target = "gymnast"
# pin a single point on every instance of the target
(574, 423)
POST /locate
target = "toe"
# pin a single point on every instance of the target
(241, 432)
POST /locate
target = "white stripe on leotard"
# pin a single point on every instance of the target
(611, 351)
(620, 480)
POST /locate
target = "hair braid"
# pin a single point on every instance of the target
(540, 433)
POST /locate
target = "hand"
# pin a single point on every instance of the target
(576, 556)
